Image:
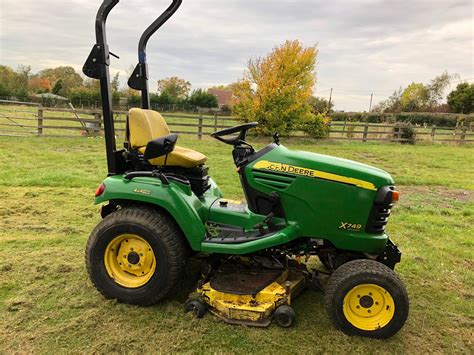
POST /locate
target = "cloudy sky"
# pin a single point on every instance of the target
(367, 46)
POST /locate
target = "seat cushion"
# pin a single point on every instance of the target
(144, 126)
(180, 156)
(147, 125)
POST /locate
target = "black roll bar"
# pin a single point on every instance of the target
(97, 67)
(139, 78)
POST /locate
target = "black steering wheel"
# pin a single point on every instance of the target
(236, 139)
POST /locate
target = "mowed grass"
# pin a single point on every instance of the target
(47, 303)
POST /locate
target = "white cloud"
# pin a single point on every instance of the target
(365, 46)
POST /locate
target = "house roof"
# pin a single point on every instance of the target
(224, 97)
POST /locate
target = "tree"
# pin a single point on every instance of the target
(14, 83)
(276, 89)
(58, 85)
(115, 84)
(415, 97)
(320, 104)
(436, 89)
(392, 104)
(175, 87)
(202, 98)
(39, 85)
(70, 79)
(461, 100)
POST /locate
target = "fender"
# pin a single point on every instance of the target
(177, 199)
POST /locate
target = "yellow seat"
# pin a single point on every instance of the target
(146, 125)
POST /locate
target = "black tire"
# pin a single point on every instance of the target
(196, 307)
(284, 316)
(164, 238)
(366, 272)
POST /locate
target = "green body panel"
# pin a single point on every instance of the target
(315, 206)
(187, 210)
(320, 206)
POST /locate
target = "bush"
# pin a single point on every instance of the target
(404, 130)
(317, 126)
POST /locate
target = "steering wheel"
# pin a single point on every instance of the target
(236, 139)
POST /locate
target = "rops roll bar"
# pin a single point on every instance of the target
(139, 78)
(97, 67)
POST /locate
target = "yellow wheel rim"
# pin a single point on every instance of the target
(130, 260)
(368, 307)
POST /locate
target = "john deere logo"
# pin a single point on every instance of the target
(317, 174)
(143, 192)
(350, 226)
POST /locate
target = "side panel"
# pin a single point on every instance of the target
(329, 198)
(188, 211)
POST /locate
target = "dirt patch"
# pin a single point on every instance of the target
(460, 195)
(437, 196)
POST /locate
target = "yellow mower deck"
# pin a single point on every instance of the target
(251, 297)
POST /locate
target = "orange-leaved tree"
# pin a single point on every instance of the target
(276, 89)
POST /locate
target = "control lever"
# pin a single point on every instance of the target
(114, 55)
(267, 221)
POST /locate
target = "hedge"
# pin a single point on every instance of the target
(416, 118)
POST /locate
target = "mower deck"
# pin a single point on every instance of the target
(250, 296)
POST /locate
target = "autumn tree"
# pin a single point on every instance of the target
(70, 79)
(39, 85)
(174, 87)
(276, 89)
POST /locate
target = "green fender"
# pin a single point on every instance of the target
(177, 199)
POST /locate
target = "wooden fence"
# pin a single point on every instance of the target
(21, 119)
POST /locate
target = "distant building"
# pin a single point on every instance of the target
(224, 97)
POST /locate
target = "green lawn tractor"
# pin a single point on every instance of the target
(160, 209)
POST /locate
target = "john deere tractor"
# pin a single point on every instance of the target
(160, 208)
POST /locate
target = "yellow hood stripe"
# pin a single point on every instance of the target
(296, 170)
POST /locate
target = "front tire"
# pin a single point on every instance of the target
(366, 298)
(136, 255)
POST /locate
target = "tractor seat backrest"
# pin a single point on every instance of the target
(144, 126)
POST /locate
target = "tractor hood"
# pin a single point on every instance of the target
(301, 163)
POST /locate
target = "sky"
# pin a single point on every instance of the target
(367, 46)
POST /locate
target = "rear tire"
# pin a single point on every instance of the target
(366, 298)
(136, 255)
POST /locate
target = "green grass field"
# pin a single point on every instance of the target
(47, 303)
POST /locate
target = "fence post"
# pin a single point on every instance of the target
(344, 128)
(40, 120)
(433, 133)
(200, 127)
(215, 121)
(366, 130)
(97, 119)
(463, 133)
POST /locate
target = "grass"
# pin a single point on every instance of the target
(47, 303)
